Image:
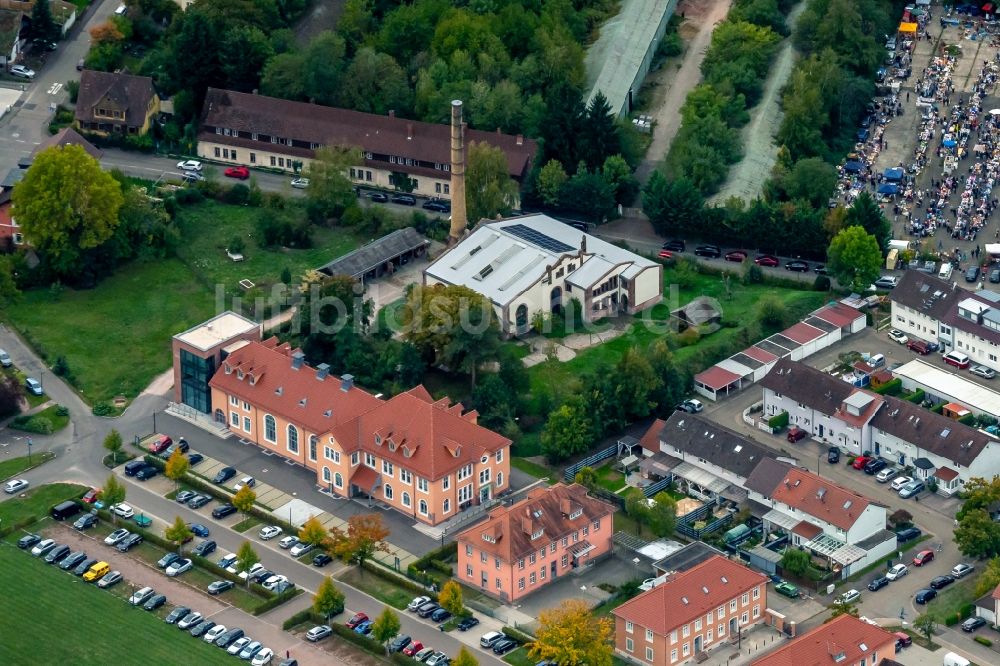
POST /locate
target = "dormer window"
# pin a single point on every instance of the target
(392, 445)
(229, 369)
(253, 379)
(537, 534)
(239, 375)
(406, 451)
(489, 538)
(378, 440)
(279, 391)
(458, 451)
(576, 514)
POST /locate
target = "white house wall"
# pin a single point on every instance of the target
(828, 429)
(871, 521)
(914, 324)
(701, 463)
(884, 549)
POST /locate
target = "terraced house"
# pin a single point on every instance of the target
(520, 549)
(426, 458)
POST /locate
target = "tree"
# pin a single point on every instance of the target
(854, 258)
(989, 578)
(663, 514)
(106, 33)
(926, 625)
(329, 600)
(772, 311)
(243, 52)
(365, 536)
(567, 430)
(244, 500)
(586, 477)
(637, 508)
(113, 444)
(377, 84)
(66, 204)
(600, 137)
(795, 561)
(450, 598)
(112, 493)
(386, 626)
(867, 214)
(493, 400)
(977, 535)
(465, 658)
(618, 174)
(900, 518)
(589, 195)
(489, 189)
(178, 533)
(811, 179)
(551, 180)
(246, 557)
(673, 206)
(571, 634)
(42, 24)
(177, 467)
(637, 382)
(330, 191)
(313, 532)
(9, 293)
(11, 394)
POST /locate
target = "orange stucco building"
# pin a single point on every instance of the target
(553, 532)
(423, 457)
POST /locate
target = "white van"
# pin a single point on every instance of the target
(946, 270)
(952, 659)
(876, 361)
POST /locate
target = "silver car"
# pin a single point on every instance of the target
(983, 371)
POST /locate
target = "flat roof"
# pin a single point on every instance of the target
(216, 330)
(802, 333)
(716, 378)
(951, 386)
(369, 257)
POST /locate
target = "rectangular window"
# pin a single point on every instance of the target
(565, 541)
(531, 578)
(405, 476)
(370, 460)
(531, 558)
(468, 549)
(387, 468)
(499, 456)
(686, 649)
(708, 636)
(355, 458)
(218, 152)
(697, 624)
(746, 598)
(253, 158)
(468, 570)
(447, 187)
(234, 419)
(673, 636)
(721, 630)
(482, 557)
(520, 563)
(732, 606)
(446, 482)
(437, 188)
(597, 525)
(233, 400)
(744, 619)
(673, 655)
(496, 561)
(274, 161)
(629, 627)
(756, 592)
(756, 612)
(649, 653)
(421, 485)
(246, 423)
(686, 630)
(649, 635)
(336, 457)
(234, 155)
(565, 561)
(541, 573)
(552, 547)
(520, 583)
(499, 584)
(628, 645)
(586, 530)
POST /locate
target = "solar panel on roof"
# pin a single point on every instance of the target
(537, 238)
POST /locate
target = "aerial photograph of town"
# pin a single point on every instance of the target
(500, 332)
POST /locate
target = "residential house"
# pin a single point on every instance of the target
(690, 613)
(843, 641)
(555, 531)
(835, 523)
(535, 265)
(426, 458)
(64, 14)
(12, 26)
(10, 232)
(115, 103)
(858, 421)
(988, 605)
(254, 130)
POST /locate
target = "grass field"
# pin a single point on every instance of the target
(14, 466)
(120, 333)
(52, 617)
(38, 502)
(58, 421)
(953, 599)
(378, 587)
(535, 470)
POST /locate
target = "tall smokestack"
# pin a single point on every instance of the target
(459, 217)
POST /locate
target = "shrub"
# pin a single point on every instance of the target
(73, 90)
(982, 640)
(891, 387)
(821, 283)
(62, 410)
(518, 635)
(778, 421)
(189, 195)
(365, 643)
(237, 195)
(61, 367)
(968, 419)
(236, 245)
(303, 616)
(917, 396)
(36, 424)
(276, 600)
(753, 274)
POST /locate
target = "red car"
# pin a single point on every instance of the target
(160, 444)
(91, 495)
(355, 620)
(923, 557)
(240, 172)
(413, 648)
(795, 434)
(666, 254)
(736, 255)
(860, 462)
(766, 260)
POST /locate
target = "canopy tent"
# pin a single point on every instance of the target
(993, 249)
(888, 188)
(853, 166)
(908, 28)
(949, 143)
(893, 175)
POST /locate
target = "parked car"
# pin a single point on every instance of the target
(28, 541)
(737, 255)
(428, 608)
(57, 554)
(941, 582)
(43, 547)
(189, 165)
(199, 501)
(768, 260)
(167, 560)
(194, 459)
(321, 560)
(15, 486)
(404, 199)
(269, 532)
(797, 266)
(300, 549)
(160, 444)
(240, 172)
(848, 597)
(300, 183)
(355, 620)
(192, 177)
(972, 624)
(189, 620)
(957, 359)
(691, 406)
(214, 633)
(134, 466)
(875, 465)
(319, 632)
(128, 542)
(179, 567)
(155, 602)
(198, 530)
(115, 537)
(995, 275)
(263, 657)
(220, 586)
(422, 655)
(983, 371)
(440, 615)
(795, 434)
(713, 251)
(22, 72)
(227, 639)
(184, 496)
(903, 640)
(205, 548)
(468, 623)
(910, 489)
(379, 197)
(972, 274)
(109, 579)
(833, 455)
(72, 560)
(398, 643)
(5, 359)
(86, 521)
(223, 510)
(860, 462)
(248, 481)
(147, 472)
(887, 282)
(886, 474)
(253, 571)
(918, 346)
(273, 582)
(141, 596)
(438, 659)
(878, 583)
(180, 444)
(923, 557)
(900, 481)
(176, 615)
(199, 629)
(224, 475)
(34, 386)
(413, 648)
(90, 497)
(821, 270)
(897, 571)
(961, 570)
(437, 206)
(924, 596)
(787, 589)
(364, 627)
(288, 541)
(898, 336)
(236, 646)
(489, 639)
(503, 646)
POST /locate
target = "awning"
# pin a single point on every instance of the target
(848, 554)
(628, 461)
(893, 174)
(888, 188)
(825, 545)
(907, 27)
(949, 143)
(853, 167)
(582, 548)
(781, 519)
(366, 478)
(706, 480)
(807, 530)
(923, 463)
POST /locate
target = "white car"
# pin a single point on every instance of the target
(269, 532)
(238, 646)
(300, 183)
(983, 371)
(417, 603)
(263, 657)
(141, 596)
(15, 486)
(123, 510)
(848, 597)
(43, 546)
(898, 336)
(116, 536)
(212, 634)
(899, 482)
(179, 567)
(253, 570)
(228, 561)
(245, 481)
(886, 474)
(22, 72)
(273, 581)
(897, 572)
(300, 549)
(961, 570)
(189, 165)
(288, 542)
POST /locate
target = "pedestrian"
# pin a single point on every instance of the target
(288, 654)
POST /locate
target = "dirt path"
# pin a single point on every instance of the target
(759, 152)
(667, 111)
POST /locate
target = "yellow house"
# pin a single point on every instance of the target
(115, 103)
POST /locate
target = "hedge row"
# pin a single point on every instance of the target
(518, 635)
(778, 421)
(399, 580)
(891, 387)
(362, 641)
(435, 560)
(303, 616)
(276, 601)
(917, 396)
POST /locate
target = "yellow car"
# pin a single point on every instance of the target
(97, 572)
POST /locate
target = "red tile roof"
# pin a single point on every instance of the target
(651, 440)
(280, 389)
(716, 378)
(807, 530)
(431, 438)
(807, 492)
(945, 473)
(838, 314)
(508, 530)
(821, 646)
(690, 594)
(802, 333)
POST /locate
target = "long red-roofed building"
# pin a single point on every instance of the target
(843, 641)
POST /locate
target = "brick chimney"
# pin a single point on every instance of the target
(459, 217)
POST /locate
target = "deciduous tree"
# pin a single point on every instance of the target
(854, 258)
(112, 493)
(551, 180)
(386, 626)
(313, 532)
(567, 430)
(586, 477)
(663, 514)
(11, 393)
(177, 466)
(377, 84)
(244, 500)
(977, 535)
(330, 192)
(113, 445)
(637, 383)
(900, 518)
(178, 533)
(795, 561)
(489, 189)
(637, 507)
(925, 624)
(66, 204)
(989, 578)
(571, 634)
(673, 206)
(450, 598)
(246, 557)
(365, 536)
(9, 293)
(465, 658)
(106, 32)
(867, 214)
(329, 600)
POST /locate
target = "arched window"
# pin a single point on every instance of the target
(387, 491)
(293, 438)
(423, 507)
(338, 480)
(326, 474)
(406, 499)
(270, 429)
(313, 442)
(521, 317)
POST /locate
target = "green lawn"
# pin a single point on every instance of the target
(209, 227)
(953, 599)
(246, 524)
(32, 399)
(378, 587)
(14, 466)
(51, 413)
(52, 617)
(609, 478)
(534, 469)
(117, 336)
(37, 503)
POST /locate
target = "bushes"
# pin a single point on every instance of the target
(519, 635)
(982, 640)
(778, 421)
(396, 579)
(917, 396)
(892, 387)
(365, 643)
(968, 419)
(303, 616)
(436, 560)
(36, 424)
(276, 601)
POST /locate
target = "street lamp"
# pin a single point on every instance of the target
(29, 451)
